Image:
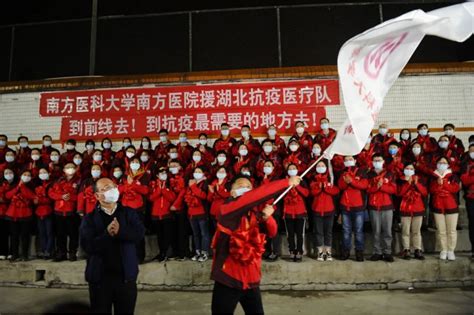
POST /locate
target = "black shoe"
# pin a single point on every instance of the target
(388, 258)
(345, 255)
(376, 257)
(359, 255)
(162, 258)
(59, 258)
(419, 254)
(72, 257)
(458, 227)
(405, 254)
(298, 257)
(14, 258)
(24, 258)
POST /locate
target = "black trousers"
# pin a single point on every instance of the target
(66, 226)
(112, 290)
(141, 243)
(470, 215)
(20, 230)
(4, 237)
(164, 231)
(322, 227)
(180, 235)
(295, 227)
(225, 299)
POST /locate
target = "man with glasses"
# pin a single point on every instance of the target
(109, 236)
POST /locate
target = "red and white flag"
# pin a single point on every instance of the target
(369, 63)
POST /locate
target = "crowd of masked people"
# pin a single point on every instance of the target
(177, 189)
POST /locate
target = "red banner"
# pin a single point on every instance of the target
(193, 108)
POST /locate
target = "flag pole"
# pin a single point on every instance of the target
(302, 175)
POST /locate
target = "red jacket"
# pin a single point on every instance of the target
(61, 187)
(444, 198)
(162, 198)
(353, 194)
(381, 143)
(4, 202)
(239, 242)
(224, 145)
(277, 164)
(467, 180)
(413, 195)
(381, 198)
(134, 194)
(178, 186)
(300, 158)
(253, 147)
(305, 141)
(323, 192)
(195, 197)
(20, 207)
(325, 140)
(220, 194)
(294, 202)
(86, 200)
(428, 143)
(44, 207)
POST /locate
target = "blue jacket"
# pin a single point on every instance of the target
(94, 238)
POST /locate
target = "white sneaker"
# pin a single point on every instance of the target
(9, 257)
(451, 256)
(443, 255)
(320, 256)
(328, 256)
(203, 257)
(2, 257)
(196, 257)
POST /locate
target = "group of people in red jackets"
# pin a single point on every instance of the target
(178, 189)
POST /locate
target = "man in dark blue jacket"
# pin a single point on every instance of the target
(109, 236)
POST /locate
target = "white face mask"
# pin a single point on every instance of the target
(416, 151)
(23, 144)
(54, 158)
(163, 176)
(47, 143)
(163, 139)
(408, 172)
(449, 132)
(245, 134)
(198, 176)
(9, 158)
(89, 147)
(423, 132)
(25, 178)
(126, 144)
(443, 144)
(268, 170)
(272, 132)
(107, 145)
(321, 169)
(324, 126)
(442, 167)
(145, 145)
(112, 195)
(174, 170)
(70, 147)
(9, 176)
(383, 131)
(267, 148)
(240, 191)
(196, 158)
(293, 148)
(118, 174)
(95, 173)
(221, 159)
(35, 157)
(245, 173)
(44, 176)
(130, 154)
(221, 175)
(378, 165)
(183, 139)
(134, 166)
(97, 158)
(77, 161)
(243, 152)
(404, 136)
(144, 158)
(292, 172)
(316, 151)
(349, 163)
(173, 155)
(3, 143)
(70, 171)
(300, 130)
(203, 142)
(225, 132)
(471, 155)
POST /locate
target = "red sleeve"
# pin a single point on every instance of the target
(331, 189)
(155, 193)
(403, 189)
(271, 226)
(341, 183)
(54, 193)
(389, 188)
(11, 193)
(139, 188)
(198, 192)
(467, 179)
(302, 190)
(422, 189)
(80, 202)
(315, 189)
(452, 186)
(372, 186)
(168, 194)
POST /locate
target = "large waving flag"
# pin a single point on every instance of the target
(369, 63)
